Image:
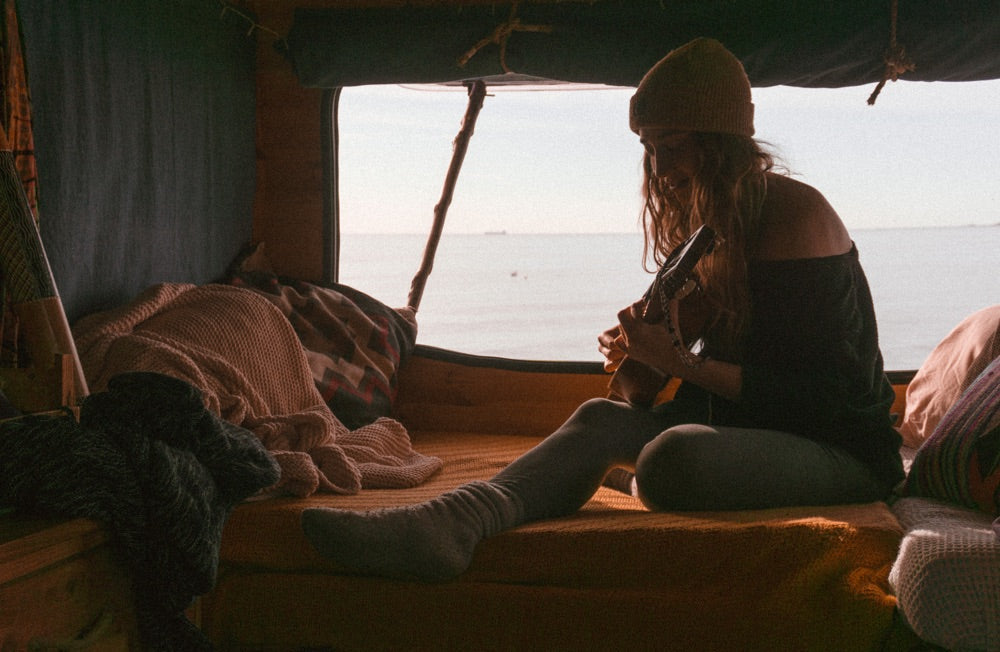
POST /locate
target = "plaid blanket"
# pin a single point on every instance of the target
(353, 342)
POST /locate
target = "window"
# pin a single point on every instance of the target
(542, 244)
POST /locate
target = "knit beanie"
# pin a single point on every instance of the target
(699, 86)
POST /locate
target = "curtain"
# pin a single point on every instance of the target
(144, 118)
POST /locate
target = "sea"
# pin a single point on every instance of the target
(548, 296)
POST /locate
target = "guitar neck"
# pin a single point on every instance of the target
(676, 271)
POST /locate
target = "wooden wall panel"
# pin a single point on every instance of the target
(288, 203)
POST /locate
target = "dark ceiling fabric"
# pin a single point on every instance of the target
(812, 43)
(144, 134)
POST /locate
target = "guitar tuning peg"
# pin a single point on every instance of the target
(689, 286)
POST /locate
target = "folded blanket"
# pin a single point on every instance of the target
(245, 357)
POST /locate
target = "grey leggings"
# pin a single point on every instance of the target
(681, 465)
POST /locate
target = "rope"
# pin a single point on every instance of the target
(896, 61)
(254, 26)
(501, 35)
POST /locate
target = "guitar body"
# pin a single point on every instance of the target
(638, 383)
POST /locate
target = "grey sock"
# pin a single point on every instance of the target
(621, 480)
(432, 541)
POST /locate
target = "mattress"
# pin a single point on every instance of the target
(802, 578)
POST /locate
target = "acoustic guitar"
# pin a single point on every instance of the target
(639, 383)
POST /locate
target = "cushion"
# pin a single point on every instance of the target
(960, 462)
(355, 344)
(956, 361)
(947, 574)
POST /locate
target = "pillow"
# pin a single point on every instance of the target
(354, 343)
(960, 461)
(956, 361)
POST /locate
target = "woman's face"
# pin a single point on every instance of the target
(674, 156)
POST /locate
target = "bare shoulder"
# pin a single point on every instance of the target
(798, 222)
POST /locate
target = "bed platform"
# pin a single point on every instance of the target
(803, 578)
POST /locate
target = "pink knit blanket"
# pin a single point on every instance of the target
(242, 353)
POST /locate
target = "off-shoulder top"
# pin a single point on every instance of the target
(812, 364)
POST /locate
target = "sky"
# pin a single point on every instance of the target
(926, 154)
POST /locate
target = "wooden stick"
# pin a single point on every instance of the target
(477, 92)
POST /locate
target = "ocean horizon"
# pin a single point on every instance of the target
(547, 296)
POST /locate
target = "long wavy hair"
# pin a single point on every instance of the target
(726, 193)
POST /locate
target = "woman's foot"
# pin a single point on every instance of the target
(432, 541)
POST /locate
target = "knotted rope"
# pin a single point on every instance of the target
(501, 35)
(896, 61)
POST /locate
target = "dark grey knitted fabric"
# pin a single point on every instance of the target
(159, 471)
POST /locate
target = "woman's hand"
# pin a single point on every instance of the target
(611, 345)
(649, 344)
(652, 345)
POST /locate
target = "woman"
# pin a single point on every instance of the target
(786, 403)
